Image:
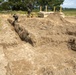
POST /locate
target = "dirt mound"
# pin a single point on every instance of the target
(57, 18)
(41, 31)
(52, 52)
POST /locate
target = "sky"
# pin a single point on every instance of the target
(69, 4)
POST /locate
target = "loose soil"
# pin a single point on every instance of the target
(38, 46)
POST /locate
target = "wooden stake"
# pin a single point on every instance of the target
(40, 8)
(60, 9)
(46, 8)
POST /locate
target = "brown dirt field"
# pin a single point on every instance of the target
(37, 46)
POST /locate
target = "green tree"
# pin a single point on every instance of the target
(1, 1)
(50, 3)
(19, 4)
(22, 4)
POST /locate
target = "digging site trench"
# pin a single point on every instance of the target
(37, 46)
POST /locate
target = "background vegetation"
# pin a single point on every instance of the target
(69, 11)
(22, 4)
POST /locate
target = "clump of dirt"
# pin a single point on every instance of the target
(72, 43)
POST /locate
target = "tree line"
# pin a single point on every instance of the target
(22, 4)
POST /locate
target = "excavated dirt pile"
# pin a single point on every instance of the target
(42, 31)
(38, 46)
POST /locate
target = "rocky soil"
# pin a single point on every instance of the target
(37, 46)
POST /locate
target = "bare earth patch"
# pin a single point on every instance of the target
(37, 46)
